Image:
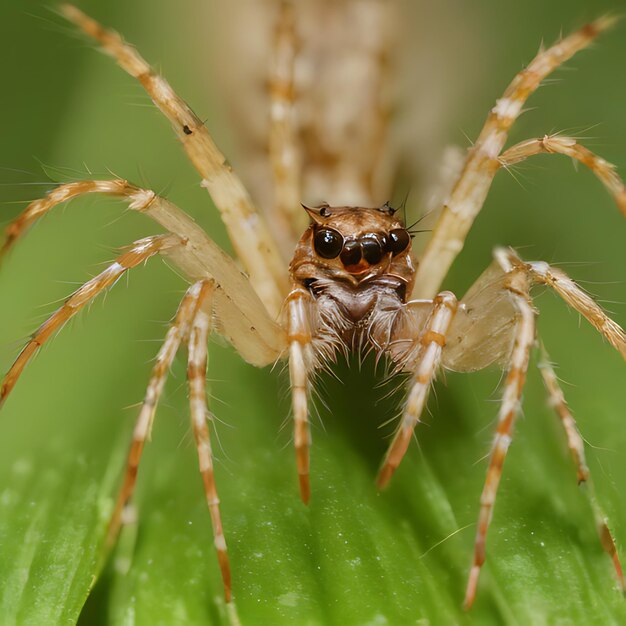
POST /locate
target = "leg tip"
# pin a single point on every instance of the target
(619, 573)
(4, 392)
(305, 488)
(472, 583)
(384, 476)
(69, 11)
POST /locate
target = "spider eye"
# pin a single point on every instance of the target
(399, 240)
(327, 243)
(351, 253)
(372, 250)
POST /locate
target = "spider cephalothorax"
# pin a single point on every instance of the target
(356, 259)
(353, 282)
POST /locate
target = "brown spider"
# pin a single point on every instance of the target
(353, 283)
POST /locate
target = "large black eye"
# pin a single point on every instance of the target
(372, 250)
(398, 241)
(327, 243)
(351, 253)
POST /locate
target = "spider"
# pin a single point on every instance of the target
(353, 283)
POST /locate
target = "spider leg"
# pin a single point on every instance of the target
(251, 238)
(495, 324)
(196, 375)
(576, 445)
(424, 363)
(517, 285)
(140, 251)
(246, 323)
(177, 332)
(482, 162)
(142, 200)
(284, 153)
(438, 193)
(568, 146)
(540, 272)
(302, 363)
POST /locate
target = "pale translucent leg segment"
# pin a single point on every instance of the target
(482, 162)
(302, 363)
(542, 273)
(553, 144)
(284, 152)
(576, 445)
(482, 331)
(424, 365)
(249, 234)
(140, 251)
(246, 322)
(517, 285)
(178, 332)
(196, 374)
(438, 193)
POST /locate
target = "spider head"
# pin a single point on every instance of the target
(354, 243)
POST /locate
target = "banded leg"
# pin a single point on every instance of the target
(142, 200)
(248, 232)
(482, 163)
(517, 285)
(140, 251)
(196, 374)
(495, 324)
(575, 442)
(425, 363)
(553, 144)
(246, 323)
(483, 327)
(177, 332)
(540, 272)
(283, 141)
(302, 363)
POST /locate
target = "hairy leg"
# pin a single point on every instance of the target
(554, 144)
(302, 363)
(482, 162)
(248, 232)
(177, 333)
(245, 321)
(196, 375)
(142, 200)
(517, 285)
(139, 252)
(423, 361)
(540, 272)
(575, 442)
(482, 331)
(63, 193)
(495, 324)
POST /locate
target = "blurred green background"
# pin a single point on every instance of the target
(353, 557)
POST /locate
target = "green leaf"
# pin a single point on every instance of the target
(353, 556)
